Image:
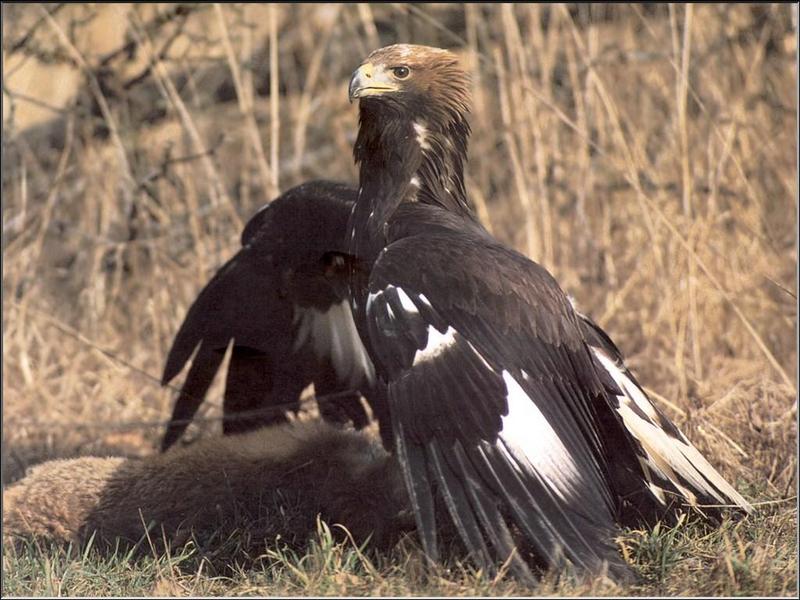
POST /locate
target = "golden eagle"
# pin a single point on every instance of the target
(506, 404)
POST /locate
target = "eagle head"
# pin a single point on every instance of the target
(413, 80)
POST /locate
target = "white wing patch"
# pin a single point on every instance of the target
(261, 210)
(437, 343)
(371, 299)
(406, 302)
(676, 460)
(333, 334)
(483, 360)
(533, 443)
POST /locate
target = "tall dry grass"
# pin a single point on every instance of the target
(646, 155)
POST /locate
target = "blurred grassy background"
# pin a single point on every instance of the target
(645, 154)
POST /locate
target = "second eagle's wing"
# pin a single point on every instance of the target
(289, 326)
(238, 304)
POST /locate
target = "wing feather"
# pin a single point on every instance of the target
(458, 505)
(672, 466)
(415, 474)
(491, 517)
(238, 305)
(204, 367)
(493, 397)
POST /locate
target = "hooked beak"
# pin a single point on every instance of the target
(368, 80)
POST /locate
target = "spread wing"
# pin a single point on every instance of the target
(494, 401)
(239, 303)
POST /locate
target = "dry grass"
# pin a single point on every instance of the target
(645, 155)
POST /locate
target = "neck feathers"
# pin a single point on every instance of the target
(440, 176)
(404, 159)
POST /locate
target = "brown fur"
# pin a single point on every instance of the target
(274, 481)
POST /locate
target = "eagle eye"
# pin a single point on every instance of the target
(401, 72)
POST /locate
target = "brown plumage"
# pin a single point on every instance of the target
(274, 481)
